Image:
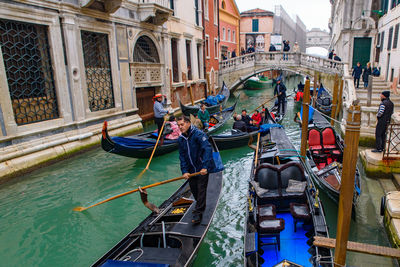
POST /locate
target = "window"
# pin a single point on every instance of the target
(229, 35)
(172, 6)
(196, 6)
(389, 45)
(255, 25)
(98, 70)
(206, 9)
(199, 60)
(393, 4)
(29, 71)
(207, 46)
(216, 48)
(223, 5)
(216, 6)
(223, 34)
(382, 40)
(233, 37)
(189, 60)
(396, 36)
(384, 5)
(145, 51)
(175, 65)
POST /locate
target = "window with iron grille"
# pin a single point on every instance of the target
(26, 54)
(396, 36)
(145, 51)
(98, 70)
(389, 45)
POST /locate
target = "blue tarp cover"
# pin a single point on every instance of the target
(214, 100)
(265, 127)
(310, 113)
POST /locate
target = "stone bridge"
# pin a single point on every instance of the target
(236, 71)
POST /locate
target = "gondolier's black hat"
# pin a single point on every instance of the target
(386, 93)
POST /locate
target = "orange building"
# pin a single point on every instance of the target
(211, 43)
(229, 22)
(256, 26)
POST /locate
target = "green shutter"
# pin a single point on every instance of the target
(255, 25)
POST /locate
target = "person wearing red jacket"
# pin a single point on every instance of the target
(256, 118)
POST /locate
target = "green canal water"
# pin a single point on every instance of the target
(39, 228)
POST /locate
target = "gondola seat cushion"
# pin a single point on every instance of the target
(271, 226)
(314, 139)
(263, 192)
(328, 138)
(267, 177)
(300, 211)
(266, 211)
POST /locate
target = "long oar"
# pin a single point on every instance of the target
(258, 146)
(154, 150)
(135, 190)
(263, 103)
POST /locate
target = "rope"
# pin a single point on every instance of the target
(325, 115)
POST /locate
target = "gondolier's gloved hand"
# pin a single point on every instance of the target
(186, 175)
(203, 171)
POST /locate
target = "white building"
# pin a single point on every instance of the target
(353, 30)
(388, 50)
(318, 38)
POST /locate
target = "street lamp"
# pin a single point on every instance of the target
(379, 12)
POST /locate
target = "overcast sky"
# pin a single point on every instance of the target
(314, 13)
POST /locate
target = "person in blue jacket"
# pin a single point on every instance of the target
(195, 155)
(357, 74)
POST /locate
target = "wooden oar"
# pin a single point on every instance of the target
(258, 146)
(154, 150)
(135, 190)
(263, 103)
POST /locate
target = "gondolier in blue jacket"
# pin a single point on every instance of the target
(159, 111)
(280, 92)
(195, 154)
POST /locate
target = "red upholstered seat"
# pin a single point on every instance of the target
(314, 139)
(328, 138)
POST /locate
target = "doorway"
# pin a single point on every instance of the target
(144, 96)
(361, 51)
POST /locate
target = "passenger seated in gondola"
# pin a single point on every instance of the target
(239, 124)
(299, 96)
(249, 122)
(256, 117)
(203, 115)
(196, 122)
(263, 118)
(174, 127)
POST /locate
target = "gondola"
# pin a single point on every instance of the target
(283, 211)
(141, 145)
(187, 110)
(324, 101)
(235, 138)
(256, 83)
(325, 156)
(167, 238)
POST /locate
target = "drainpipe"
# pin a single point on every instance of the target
(204, 49)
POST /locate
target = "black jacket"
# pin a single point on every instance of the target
(246, 119)
(240, 125)
(387, 113)
(330, 55)
(280, 88)
(357, 72)
(367, 72)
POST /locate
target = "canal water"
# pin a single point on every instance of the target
(39, 228)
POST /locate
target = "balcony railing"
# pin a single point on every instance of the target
(146, 74)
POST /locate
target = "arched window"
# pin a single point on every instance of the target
(223, 5)
(145, 51)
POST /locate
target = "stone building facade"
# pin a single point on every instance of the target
(354, 29)
(318, 38)
(387, 43)
(67, 66)
(229, 20)
(256, 26)
(289, 29)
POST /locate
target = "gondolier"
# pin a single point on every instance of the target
(384, 115)
(280, 92)
(159, 111)
(195, 154)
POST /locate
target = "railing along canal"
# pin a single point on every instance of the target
(392, 148)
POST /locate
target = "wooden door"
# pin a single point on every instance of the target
(145, 102)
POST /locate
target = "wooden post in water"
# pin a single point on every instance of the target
(304, 119)
(350, 154)
(316, 85)
(190, 90)
(334, 100)
(340, 97)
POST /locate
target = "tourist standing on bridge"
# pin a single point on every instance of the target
(233, 53)
(242, 52)
(296, 47)
(195, 155)
(357, 74)
(159, 111)
(280, 92)
(384, 115)
(286, 48)
(367, 72)
(331, 54)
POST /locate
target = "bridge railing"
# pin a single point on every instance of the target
(281, 59)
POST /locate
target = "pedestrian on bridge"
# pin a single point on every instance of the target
(296, 47)
(383, 116)
(357, 74)
(280, 92)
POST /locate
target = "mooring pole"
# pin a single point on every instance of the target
(350, 153)
(316, 85)
(340, 96)
(304, 119)
(334, 100)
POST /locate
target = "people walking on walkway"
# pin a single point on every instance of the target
(357, 74)
(286, 48)
(195, 155)
(366, 73)
(280, 92)
(159, 110)
(383, 116)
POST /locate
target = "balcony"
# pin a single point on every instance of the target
(153, 11)
(146, 74)
(108, 6)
